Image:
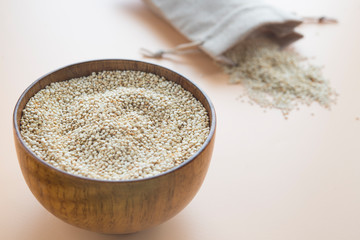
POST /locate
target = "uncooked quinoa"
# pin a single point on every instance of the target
(275, 78)
(114, 125)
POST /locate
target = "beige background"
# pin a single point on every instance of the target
(269, 178)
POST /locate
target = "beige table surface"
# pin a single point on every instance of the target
(270, 178)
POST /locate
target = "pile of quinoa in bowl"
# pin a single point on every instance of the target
(114, 125)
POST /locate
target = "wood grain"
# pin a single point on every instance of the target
(113, 206)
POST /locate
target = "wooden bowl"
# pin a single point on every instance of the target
(113, 206)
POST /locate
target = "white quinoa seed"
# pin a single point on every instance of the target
(114, 125)
(275, 78)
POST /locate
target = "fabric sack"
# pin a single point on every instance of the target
(216, 26)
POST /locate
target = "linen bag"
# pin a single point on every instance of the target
(216, 26)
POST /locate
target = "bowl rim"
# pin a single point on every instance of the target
(16, 126)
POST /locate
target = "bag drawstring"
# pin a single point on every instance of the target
(181, 48)
(319, 20)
